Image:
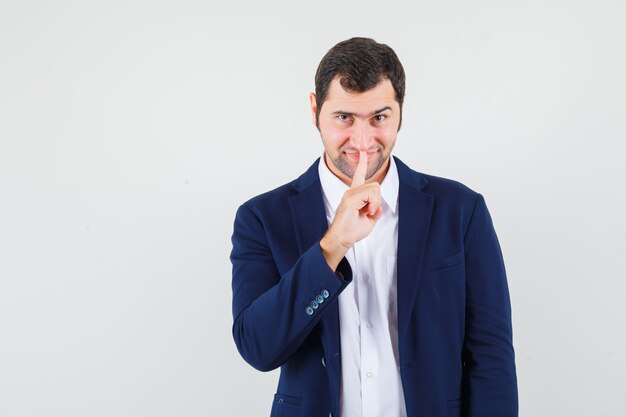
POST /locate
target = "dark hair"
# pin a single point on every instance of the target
(360, 63)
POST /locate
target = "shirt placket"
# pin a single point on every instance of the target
(368, 343)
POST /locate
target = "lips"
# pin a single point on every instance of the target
(356, 155)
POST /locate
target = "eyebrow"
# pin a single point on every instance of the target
(375, 112)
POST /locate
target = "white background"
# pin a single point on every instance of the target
(131, 131)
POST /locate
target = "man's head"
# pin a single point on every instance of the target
(357, 105)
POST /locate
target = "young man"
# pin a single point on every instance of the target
(378, 290)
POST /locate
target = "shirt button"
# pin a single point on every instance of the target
(369, 325)
(369, 374)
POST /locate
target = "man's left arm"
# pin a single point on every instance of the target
(490, 382)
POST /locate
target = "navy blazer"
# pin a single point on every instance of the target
(454, 315)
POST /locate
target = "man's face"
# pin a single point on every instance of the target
(353, 122)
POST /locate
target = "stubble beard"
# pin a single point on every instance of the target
(342, 163)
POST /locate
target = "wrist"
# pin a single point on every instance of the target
(333, 250)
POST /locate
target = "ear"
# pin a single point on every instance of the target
(313, 100)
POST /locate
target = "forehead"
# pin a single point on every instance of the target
(380, 96)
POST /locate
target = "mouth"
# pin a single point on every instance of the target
(354, 156)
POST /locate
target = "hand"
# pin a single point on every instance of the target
(358, 212)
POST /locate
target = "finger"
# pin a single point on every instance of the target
(374, 205)
(368, 199)
(370, 209)
(358, 178)
(365, 195)
(377, 214)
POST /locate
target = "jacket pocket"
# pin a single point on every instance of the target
(454, 408)
(286, 406)
(456, 403)
(286, 399)
(446, 262)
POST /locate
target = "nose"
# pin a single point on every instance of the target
(362, 136)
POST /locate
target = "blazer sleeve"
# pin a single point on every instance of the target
(490, 382)
(273, 314)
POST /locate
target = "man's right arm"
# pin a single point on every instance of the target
(273, 314)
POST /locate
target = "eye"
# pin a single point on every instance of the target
(379, 118)
(344, 117)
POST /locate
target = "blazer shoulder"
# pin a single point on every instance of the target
(452, 199)
(438, 187)
(452, 195)
(277, 199)
(279, 193)
(446, 186)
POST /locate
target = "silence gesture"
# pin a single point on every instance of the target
(358, 212)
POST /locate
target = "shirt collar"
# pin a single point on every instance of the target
(333, 188)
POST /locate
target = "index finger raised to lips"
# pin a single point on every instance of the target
(358, 178)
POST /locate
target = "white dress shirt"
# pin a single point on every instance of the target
(368, 314)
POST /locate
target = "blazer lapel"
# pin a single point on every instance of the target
(310, 224)
(415, 210)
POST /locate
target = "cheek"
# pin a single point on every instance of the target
(387, 136)
(335, 138)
